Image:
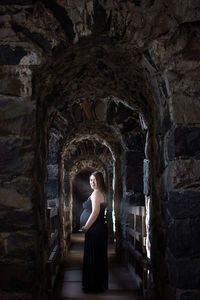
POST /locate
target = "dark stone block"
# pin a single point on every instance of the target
(52, 188)
(169, 144)
(124, 113)
(36, 37)
(124, 116)
(61, 15)
(9, 56)
(192, 49)
(134, 158)
(16, 118)
(134, 171)
(135, 143)
(129, 125)
(10, 85)
(23, 185)
(6, 11)
(187, 142)
(100, 18)
(111, 112)
(16, 220)
(137, 2)
(30, 10)
(160, 236)
(21, 285)
(195, 234)
(184, 205)
(183, 236)
(101, 66)
(136, 199)
(89, 23)
(20, 246)
(184, 273)
(81, 72)
(190, 296)
(16, 156)
(134, 179)
(21, 295)
(16, 277)
(18, 2)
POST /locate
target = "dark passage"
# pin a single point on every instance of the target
(122, 285)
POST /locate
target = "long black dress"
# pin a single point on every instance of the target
(95, 263)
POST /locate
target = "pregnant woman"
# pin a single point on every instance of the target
(95, 264)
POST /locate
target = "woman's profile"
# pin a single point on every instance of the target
(95, 264)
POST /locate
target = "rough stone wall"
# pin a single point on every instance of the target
(65, 57)
(176, 86)
(18, 236)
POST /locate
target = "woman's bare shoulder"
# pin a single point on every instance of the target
(96, 195)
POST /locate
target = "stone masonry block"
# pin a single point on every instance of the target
(17, 276)
(20, 245)
(183, 237)
(16, 155)
(187, 142)
(184, 204)
(190, 295)
(134, 158)
(52, 188)
(134, 179)
(184, 174)
(17, 117)
(11, 199)
(184, 273)
(16, 220)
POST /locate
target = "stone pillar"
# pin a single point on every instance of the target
(182, 182)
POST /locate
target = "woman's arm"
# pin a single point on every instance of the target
(95, 211)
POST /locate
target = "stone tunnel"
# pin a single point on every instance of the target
(100, 85)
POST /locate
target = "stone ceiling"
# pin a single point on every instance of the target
(76, 57)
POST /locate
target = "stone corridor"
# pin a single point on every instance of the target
(122, 284)
(100, 85)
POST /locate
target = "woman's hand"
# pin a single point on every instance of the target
(84, 229)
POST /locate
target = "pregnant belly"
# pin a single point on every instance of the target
(84, 217)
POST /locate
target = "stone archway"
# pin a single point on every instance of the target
(154, 46)
(106, 143)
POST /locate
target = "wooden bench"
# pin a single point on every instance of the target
(53, 253)
(136, 246)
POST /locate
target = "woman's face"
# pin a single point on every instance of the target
(93, 182)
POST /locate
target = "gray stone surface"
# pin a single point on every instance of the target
(182, 237)
(190, 295)
(76, 79)
(183, 204)
(182, 269)
(52, 188)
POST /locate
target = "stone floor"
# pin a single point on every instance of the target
(122, 285)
